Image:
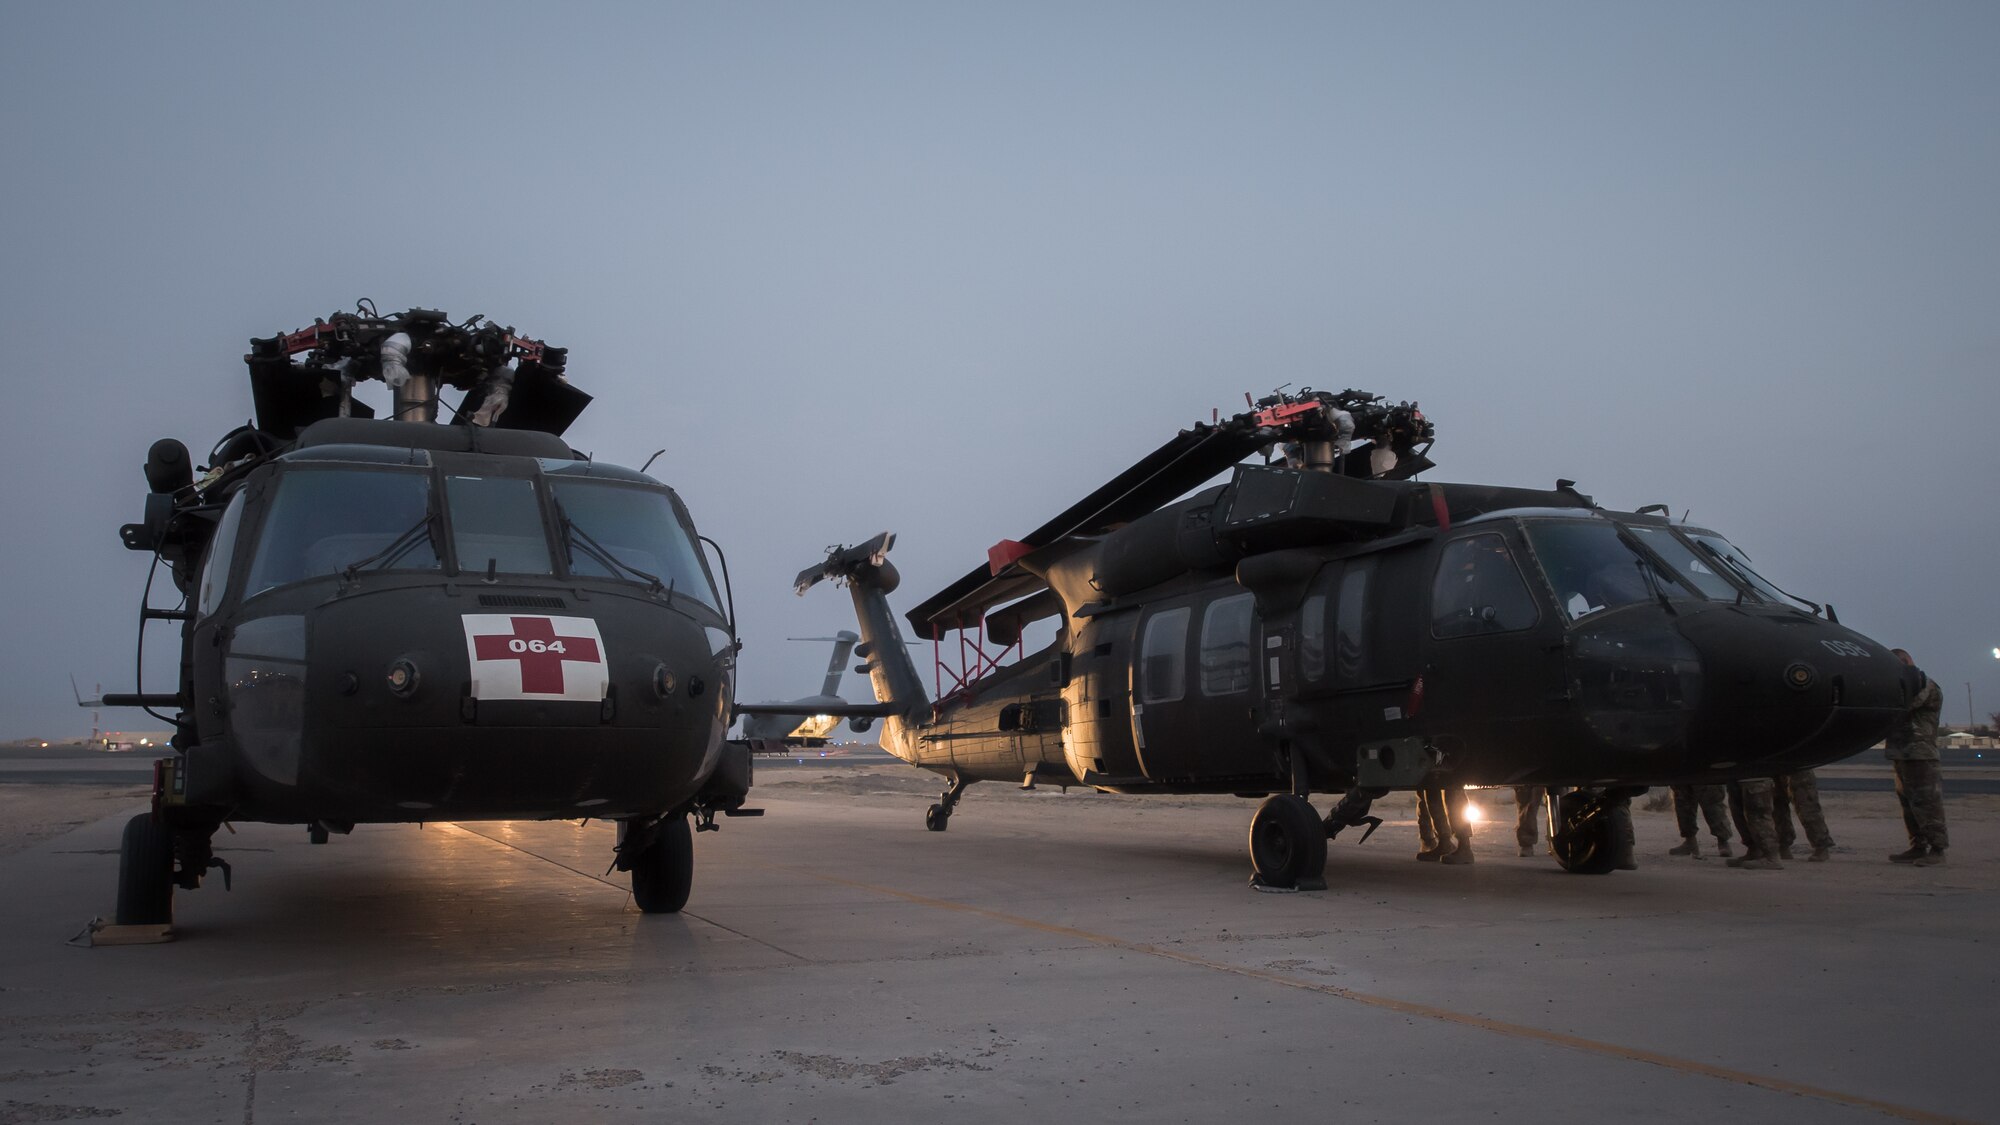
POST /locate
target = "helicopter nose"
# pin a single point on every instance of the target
(1783, 691)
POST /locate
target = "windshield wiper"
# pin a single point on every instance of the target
(1648, 573)
(574, 536)
(1751, 578)
(398, 547)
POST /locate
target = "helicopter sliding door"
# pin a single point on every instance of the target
(1194, 688)
(1372, 656)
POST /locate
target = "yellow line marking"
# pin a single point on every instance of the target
(1411, 1008)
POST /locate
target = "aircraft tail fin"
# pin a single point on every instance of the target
(869, 576)
(836, 669)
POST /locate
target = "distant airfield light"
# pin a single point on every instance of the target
(1996, 654)
(45, 746)
(1473, 813)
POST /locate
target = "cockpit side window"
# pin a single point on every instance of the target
(323, 520)
(632, 533)
(215, 570)
(1478, 589)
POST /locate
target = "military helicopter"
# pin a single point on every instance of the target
(396, 620)
(1325, 623)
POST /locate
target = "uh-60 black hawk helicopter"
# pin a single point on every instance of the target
(395, 620)
(1328, 624)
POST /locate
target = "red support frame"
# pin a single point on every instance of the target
(974, 662)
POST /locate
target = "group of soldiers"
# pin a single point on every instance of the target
(1760, 809)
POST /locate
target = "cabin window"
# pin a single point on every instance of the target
(322, 521)
(1163, 657)
(1312, 637)
(1350, 651)
(1591, 568)
(1226, 628)
(215, 571)
(1678, 555)
(496, 524)
(630, 533)
(1478, 589)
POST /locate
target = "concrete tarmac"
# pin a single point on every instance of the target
(1050, 957)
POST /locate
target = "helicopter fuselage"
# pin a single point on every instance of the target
(407, 622)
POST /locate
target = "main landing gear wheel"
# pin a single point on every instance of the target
(1288, 845)
(1584, 840)
(937, 818)
(664, 873)
(146, 873)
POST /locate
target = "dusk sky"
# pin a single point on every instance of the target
(943, 268)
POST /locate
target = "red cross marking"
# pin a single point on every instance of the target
(541, 672)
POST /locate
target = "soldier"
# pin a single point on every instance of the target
(1912, 750)
(1799, 792)
(1434, 842)
(1442, 826)
(1711, 800)
(1528, 816)
(1750, 803)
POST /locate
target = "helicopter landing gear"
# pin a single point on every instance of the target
(1582, 834)
(937, 818)
(1288, 845)
(662, 865)
(146, 873)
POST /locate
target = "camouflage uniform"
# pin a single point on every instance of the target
(1441, 824)
(1912, 750)
(1799, 792)
(1711, 800)
(1427, 833)
(1751, 802)
(1528, 816)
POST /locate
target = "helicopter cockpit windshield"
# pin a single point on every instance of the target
(324, 522)
(1595, 565)
(1738, 564)
(619, 531)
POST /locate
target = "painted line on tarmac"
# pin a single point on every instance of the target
(1408, 1007)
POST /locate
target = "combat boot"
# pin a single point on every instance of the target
(1527, 851)
(1689, 846)
(1460, 854)
(1785, 852)
(1819, 855)
(1756, 859)
(1722, 847)
(1916, 852)
(1930, 858)
(1430, 854)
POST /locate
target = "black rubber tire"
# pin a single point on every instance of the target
(1287, 842)
(1583, 843)
(936, 818)
(664, 873)
(146, 873)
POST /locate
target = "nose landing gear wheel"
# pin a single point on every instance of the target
(664, 873)
(937, 818)
(1288, 845)
(146, 873)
